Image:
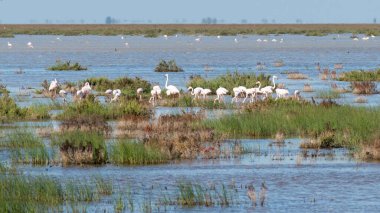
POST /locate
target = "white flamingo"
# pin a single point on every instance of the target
(252, 92)
(10, 45)
(259, 40)
(265, 40)
(53, 87)
(156, 94)
(205, 92)
(236, 40)
(269, 89)
(166, 37)
(220, 93)
(126, 44)
(116, 94)
(281, 40)
(139, 92)
(63, 94)
(171, 90)
(281, 93)
(79, 94)
(30, 45)
(365, 38)
(218, 37)
(196, 92)
(198, 39)
(86, 89)
(238, 91)
(108, 93)
(274, 40)
(297, 95)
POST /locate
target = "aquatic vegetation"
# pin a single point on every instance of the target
(363, 87)
(78, 147)
(297, 76)
(35, 155)
(3, 89)
(370, 151)
(308, 88)
(66, 66)
(350, 125)
(128, 86)
(89, 107)
(229, 81)
(360, 75)
(328, 94)
(9, 109)
(169, 66)
(154, 30)
(88, 123)
(37, 112)
(21, 139)
(136, 153)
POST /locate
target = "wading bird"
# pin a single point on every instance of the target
(281, 93)
(53, 87)
(139, 92)
(116, 94)
(86, 89)
(171, 90)
(10, 45)
(252, 92)
(205, 92)
(195, 92)
(63, 94)
(220, 93)
(155, 94)
(269, 89)
(30, 45)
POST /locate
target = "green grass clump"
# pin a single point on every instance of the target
(136, 153)
(167, 66)
(9, 109)
(360, 75)
(66, 66)
(328, 94)
(350, 126)
(229, 81)
(21, 139)
(128, 86)
(78, 147)
(90, 107)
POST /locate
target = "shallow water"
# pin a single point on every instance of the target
(297, 180)
(109, 57)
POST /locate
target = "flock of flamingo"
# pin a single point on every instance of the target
(198, 92)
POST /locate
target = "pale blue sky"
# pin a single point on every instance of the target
(170, 11)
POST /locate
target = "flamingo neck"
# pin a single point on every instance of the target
(259, 85)
(166, 84)
(274, 84)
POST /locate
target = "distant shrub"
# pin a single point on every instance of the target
(66, 66)
(363, 87)
(360, 75)
(170, 66)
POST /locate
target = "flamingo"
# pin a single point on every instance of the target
(281, 40)
(269, 89)
(122, 37)
(126, 44)
(365, 38)
(265, 40)
(373, 36)
(108, 93)
(282, 93)
(53, 87)
(156, 94)
(10, 45)
(355, 39)
(205, 92)
(166, 37)
(116, 94)
(259, 40)
(198, 39)
(30, 45)
(139, 91)
(236, 40)
(170, 90)
(63, 94)
(196, 92)
(241, 90)
(252, 92)
(274, 40)
(79, 94)
(220, 92)
(218, 37)
(297, 95)
(86, 89)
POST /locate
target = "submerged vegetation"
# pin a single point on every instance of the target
(154, 30)
(229, 81)
(169, 66)
(66, 66)
(360, 75)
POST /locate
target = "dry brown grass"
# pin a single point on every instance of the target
(370, 151)
(297, 76)
(93, 123)
(175, 135)
(363, 87)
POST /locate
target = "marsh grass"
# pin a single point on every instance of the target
(229, 81)
(167, 66)
(66, 66)
(86, 123)
(363, 87)
(360, 75)
(78, 147)
(128, 86)
(136, 153)
(350, 125)
(21, 139)
(328, 94)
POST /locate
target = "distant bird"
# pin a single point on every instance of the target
(156, 94)
(355, 39)
(252, 194)
(53, 87)
(139, 92)
(30, 45)
(372, 36)
(281, 93)
(205, 92)
(10, 45)
(263, 193)
(79, 94)
(165, 36)
(281, 40)
(220, 93)
(63, 94)
(365, 38)
(108, 93)
(122, 37)
(265, 40)
(198, 39)
(297, 95)
(236, 40)
(259, 40)
(274, 40)
(218, 37)
(58, 38)
(126, 44)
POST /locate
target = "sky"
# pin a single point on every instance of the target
(189, 11)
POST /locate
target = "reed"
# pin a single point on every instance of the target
(350, 125)
(363, 87)
(167, 66)
(360, 75)
(328, 94)
(297, 76)
(136, 153)
(78, 147)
